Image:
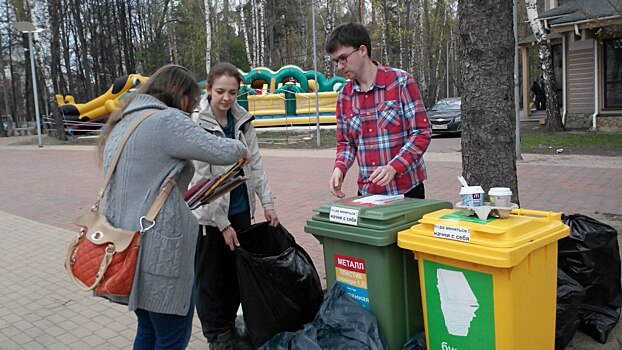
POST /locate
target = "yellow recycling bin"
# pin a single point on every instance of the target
(487, 284)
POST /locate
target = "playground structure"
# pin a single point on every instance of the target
(100, 106)
(287, 96)
(281, 98)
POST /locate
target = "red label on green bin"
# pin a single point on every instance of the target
(350, 273)
(349, 263)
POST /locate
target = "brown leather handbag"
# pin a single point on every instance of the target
(102, 257)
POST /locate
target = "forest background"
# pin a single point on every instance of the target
(86, 44)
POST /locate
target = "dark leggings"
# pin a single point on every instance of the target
(217, 293)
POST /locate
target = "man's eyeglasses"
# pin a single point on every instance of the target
(343, 59)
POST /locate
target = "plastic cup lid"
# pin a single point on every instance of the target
(500, 191)
(471, 190)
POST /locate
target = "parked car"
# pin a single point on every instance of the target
(445, 116)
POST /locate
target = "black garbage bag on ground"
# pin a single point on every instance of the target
(415, 343)
(570, 294)
(590, 255)
(341, 323)
(280, 288)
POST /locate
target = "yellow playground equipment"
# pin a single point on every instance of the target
(284, 97)
(103, 104)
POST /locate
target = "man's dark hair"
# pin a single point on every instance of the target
(349, 34)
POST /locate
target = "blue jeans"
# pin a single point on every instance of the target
(158, 331)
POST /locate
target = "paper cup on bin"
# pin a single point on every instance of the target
(500, 197)
(472, 196)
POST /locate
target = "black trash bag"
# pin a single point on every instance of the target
(590, 255)
(280, 289)
(570, 294)
(415, 343)
(341, 323)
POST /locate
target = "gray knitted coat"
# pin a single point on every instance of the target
(159, 149)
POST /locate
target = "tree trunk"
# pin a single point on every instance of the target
(172, 37)
(488, 119)
(329, 69)
(82, 47)
(5, 94)
(262, 31)
(58, 122)
(269, 49)
(553, 115)
(208, 36)
(384, 38)
(255, 32)
(244, 26)
(225, 21)
(361, 10)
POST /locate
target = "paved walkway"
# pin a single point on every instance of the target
(43, 190)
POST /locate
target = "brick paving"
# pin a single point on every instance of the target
(43, 190)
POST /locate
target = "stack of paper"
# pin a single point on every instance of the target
(208, 190)
(378, 199)
(458, 303)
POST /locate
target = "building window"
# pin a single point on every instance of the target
(613, 73)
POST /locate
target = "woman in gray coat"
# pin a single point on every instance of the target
(159, 149)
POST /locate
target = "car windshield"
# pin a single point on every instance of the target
(446, 105)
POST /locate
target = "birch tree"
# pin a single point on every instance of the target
(244, 27)
(208, 35)
(225, 42)
(329, 25)
(553, 115)
(262, 32)
(255, 32)
(488, 119)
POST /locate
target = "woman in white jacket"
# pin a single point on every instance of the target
(217, 293)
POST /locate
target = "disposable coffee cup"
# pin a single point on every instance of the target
(500, 197)
(472, 196)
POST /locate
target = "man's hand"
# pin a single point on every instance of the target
(336, 180)
(383, 175)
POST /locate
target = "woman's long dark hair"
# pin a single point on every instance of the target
(168, 84)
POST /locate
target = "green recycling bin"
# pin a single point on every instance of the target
(359, 236)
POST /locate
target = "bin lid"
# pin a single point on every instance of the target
(375, 224)
(494, 242)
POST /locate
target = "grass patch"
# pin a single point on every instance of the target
(296, 138)
(543, 141)
(532, 141)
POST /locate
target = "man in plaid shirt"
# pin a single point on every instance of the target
(381, 120)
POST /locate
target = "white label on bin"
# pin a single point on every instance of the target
(344, 216)
(449, 232)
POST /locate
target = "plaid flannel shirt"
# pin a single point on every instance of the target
(386, 125)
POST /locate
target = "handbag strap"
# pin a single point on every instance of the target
(117, 154)
(162, 196)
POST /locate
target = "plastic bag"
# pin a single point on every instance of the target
(570, 294)
(415, 343)
(591, 256)
(280, 289)
(341, 323)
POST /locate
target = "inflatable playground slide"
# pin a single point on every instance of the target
(100, 106)
(284, 97)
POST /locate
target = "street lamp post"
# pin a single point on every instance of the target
(27, 27)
